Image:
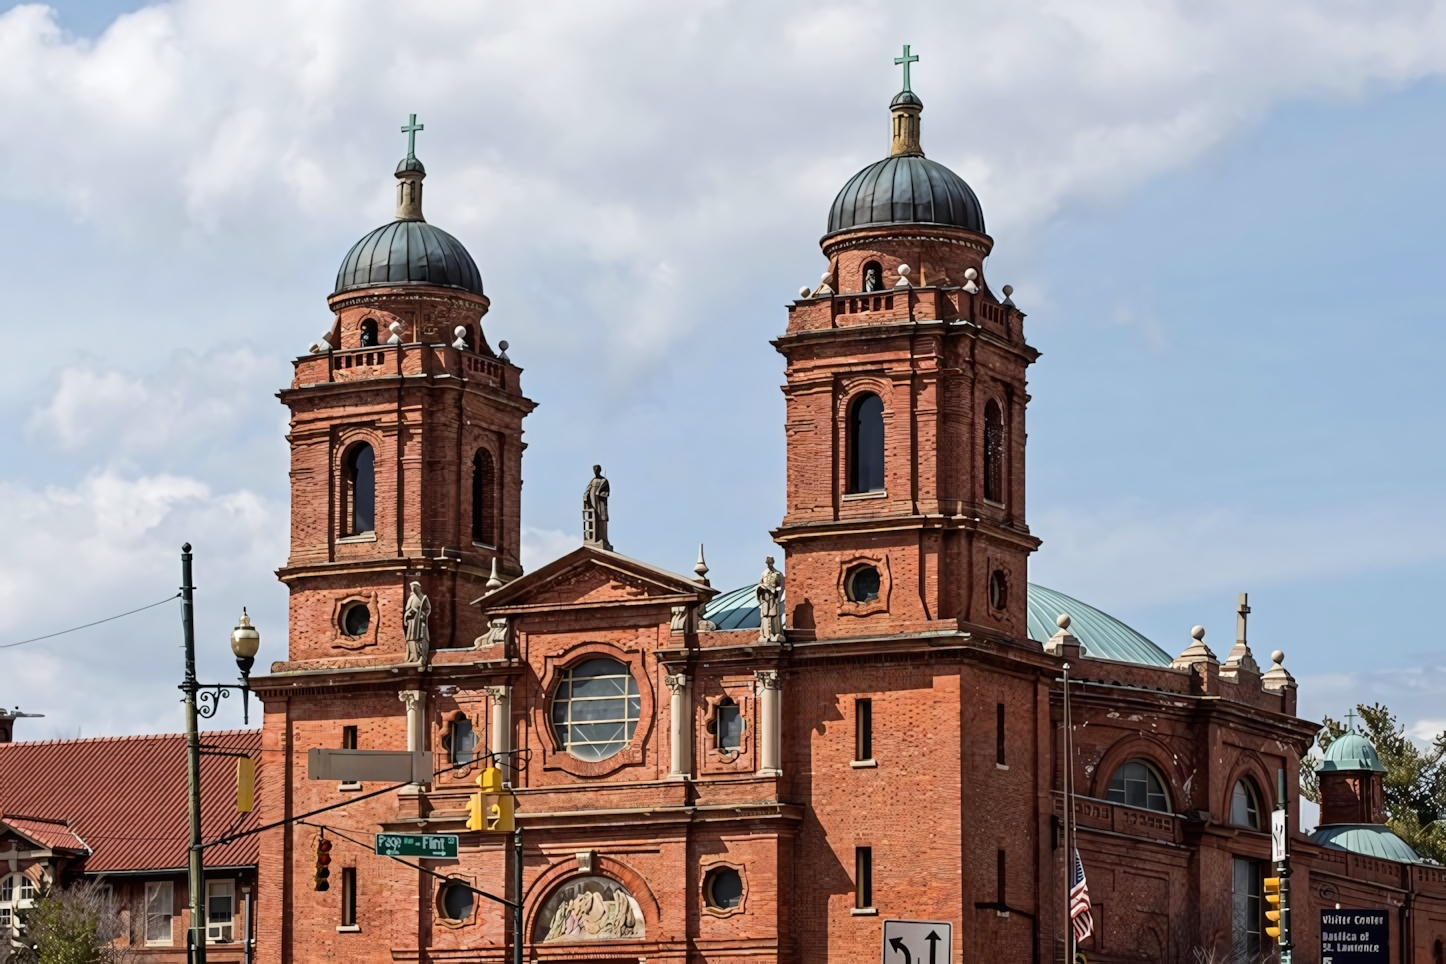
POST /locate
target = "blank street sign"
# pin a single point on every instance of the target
(918, 942)
(374, 766)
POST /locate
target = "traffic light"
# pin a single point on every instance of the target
(499, 814)
(1275, 897)
(476, 804)
(490, 780)
(323, 863)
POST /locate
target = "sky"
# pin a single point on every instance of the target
(1222, 220)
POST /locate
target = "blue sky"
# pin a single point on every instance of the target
(1222, 222)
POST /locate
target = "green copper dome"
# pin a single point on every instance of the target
(1351, 752)
(1101, 635)
(1368, 839)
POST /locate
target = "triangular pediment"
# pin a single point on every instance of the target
(588, 578)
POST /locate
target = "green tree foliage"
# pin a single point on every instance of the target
(1415, 779)
(71, 925)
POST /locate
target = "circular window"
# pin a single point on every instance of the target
(596, 708)
(862, 584)
(723, 888)
(998, 589)
(356, 619)
(457, 901)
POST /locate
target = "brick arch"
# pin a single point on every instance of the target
(602, 866)
(1139, 746)
(1250, 765)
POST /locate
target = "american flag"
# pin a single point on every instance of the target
(1079, 902)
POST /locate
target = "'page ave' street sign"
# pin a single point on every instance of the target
(918, 942)
(417, 844)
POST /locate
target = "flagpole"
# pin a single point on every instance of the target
(1068, 827)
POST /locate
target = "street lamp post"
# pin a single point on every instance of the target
(201, 700)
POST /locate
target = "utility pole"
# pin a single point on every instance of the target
(193, 763)
(517, 894)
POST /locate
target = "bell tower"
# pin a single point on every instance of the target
(905, 399)
(406, 446)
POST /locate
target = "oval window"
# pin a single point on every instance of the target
(457, 901)
(356, 619)
(596, 708)
(723, 888)
(862, 584)
(999, 589)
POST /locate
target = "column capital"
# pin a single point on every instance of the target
(497, 692)
(413, 699)
(677, 682)
(768, 679)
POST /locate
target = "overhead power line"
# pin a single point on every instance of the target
(73, 629)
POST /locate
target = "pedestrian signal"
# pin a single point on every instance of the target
(490, 780)
(245, 784)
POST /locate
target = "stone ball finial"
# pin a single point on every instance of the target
(1062, 621)
(970, 274)
(1198, 633)
(1277, 657)
(503, 346)
(1008, 290)
(804, 291)
(904, 270)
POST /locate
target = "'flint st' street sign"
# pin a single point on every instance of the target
(918, 942)
(439, 845)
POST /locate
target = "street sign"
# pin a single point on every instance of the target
(376, 766)
(1277, 835)
(918, 942)
(417, 844)
(1354, 937)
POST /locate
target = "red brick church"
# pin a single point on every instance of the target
(873, 731)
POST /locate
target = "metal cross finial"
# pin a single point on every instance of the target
(411, 131)
(905, 60)
(1350, 721)
(1242, 612)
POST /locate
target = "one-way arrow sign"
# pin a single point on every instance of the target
(918, 942)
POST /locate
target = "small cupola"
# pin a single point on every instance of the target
(410, 173)
(1352, 778)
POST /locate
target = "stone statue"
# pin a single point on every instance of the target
(871, 279)
(770, 604)
(595, 511)
(419, 640)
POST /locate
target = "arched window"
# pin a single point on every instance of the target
(993, 452)
(1137, 784)
(866, 444)
(873, 276)
(484, 499)
(1245, 804)
(361, 490)
(368, 332)
(596, 708)
(727, 725)
(461, 742)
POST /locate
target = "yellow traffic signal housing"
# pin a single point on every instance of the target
(490, 780)
(476, 812)
(499, 813)
(245, 784)
(1272, 898)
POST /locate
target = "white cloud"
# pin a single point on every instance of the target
(1426, 730)
(541, 546)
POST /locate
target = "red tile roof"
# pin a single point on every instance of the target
(125, 797)
(50, 834)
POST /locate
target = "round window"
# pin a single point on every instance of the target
(723, 888)
(457, 901)
(596, 708)
(862, 584)
(356, 619)
(998, 589)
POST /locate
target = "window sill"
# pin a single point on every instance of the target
(484, 545)
(1001, 766)
(348, 928)
(348, 786)
(864, 912)
(362, 537)
(864, 764)
(996, 505)
(856, 496)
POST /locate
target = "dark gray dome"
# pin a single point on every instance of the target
(408, 252)
(907, 188)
